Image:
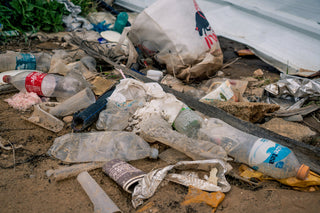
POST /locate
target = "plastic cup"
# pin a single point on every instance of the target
(79, 101)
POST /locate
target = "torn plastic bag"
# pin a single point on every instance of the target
(129, 90)
(182, 38)
(168, 107)
(101, 146)
(150, 182)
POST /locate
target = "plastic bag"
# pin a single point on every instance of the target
(182, 38)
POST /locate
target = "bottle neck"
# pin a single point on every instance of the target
(6, 78)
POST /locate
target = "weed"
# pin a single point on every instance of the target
(37, 15)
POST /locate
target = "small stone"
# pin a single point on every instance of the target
(258, 73)
(68, 119)
(220, 73)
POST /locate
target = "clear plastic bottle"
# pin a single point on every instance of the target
(101, 146)
(24, 61)
(187, 122)
(261, 154)
(121, 22)
(44, 84)
(155, 128)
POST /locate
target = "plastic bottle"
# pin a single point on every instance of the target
(25, 61)
(101, 146)
(44, 84)
(155, 128)
(121, 22)
(261, 154)
(188, 122)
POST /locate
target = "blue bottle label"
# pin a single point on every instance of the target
(266, 151)
(25, 61)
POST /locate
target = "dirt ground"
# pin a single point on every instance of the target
(24, 186)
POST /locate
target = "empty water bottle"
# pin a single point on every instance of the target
(48, 85)
(261, 154)
(25, 61)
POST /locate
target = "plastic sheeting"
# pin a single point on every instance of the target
(285, 34)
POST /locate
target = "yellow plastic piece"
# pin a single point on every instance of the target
(309, 184)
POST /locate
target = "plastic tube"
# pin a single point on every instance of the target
(101, 201)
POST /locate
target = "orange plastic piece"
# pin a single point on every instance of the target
(245, 52)
(198, 196)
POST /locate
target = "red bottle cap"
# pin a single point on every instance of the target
(303, 172)
(6, 78)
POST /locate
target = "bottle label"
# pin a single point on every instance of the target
(33, 82)
(266, 151)
(25, 61)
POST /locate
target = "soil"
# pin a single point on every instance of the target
(24, 186)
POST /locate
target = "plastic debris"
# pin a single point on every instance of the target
(311, 183)
(23, 100)
(156, 128)
(294, 86)
(150, 182)
(190, 50)
(195, 195)
(44, 119)
(101, 201)
(101, 146)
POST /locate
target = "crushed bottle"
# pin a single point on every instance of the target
(101, 146)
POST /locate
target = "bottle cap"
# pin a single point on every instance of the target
(303, 172)
(154, 153)
(6, 78)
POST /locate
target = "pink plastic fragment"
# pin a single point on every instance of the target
(23, 100)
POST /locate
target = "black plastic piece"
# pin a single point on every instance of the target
(82, 120)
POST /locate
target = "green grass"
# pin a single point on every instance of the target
(37, 15)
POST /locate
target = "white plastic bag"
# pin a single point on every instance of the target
(178, 34)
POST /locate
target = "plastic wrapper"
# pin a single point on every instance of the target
(73, 21)
(294, 86)
(149, 184)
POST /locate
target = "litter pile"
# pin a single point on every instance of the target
(140, 114)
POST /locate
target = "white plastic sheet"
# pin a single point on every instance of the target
(285, 34)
